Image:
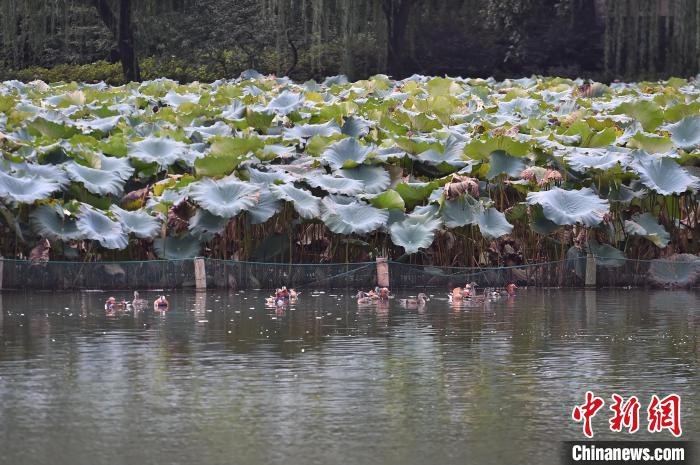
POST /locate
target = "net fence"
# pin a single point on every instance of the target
(229, 274)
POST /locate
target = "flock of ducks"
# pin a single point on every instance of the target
(468, 294)
(283, 297)
(137, 304)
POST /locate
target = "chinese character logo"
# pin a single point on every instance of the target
(662, 414)
(587, 411)
(626, 414)
(665, 414)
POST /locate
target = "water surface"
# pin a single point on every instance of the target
(220, 379)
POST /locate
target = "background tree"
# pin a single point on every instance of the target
(205, 40)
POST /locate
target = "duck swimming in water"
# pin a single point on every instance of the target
(364, 298)
(161, 304)
(419, 301)
(138, 304)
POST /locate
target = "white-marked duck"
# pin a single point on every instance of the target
(419, 301)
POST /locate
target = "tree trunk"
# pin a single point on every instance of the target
(130, 62)
(123, 31)
(397, 14)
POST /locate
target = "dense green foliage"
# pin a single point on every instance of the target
(195, 40)
(446, 171)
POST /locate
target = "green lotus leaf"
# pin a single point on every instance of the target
(540, 223)
(414, 193)
(582, 159)
(120, 166)
(226, 154)
(51, 222)
(414, 232)
(374, 178)
(177, 247)
(520, 106)
(492, 223)
(26, 189)
(268, 204)
(234, 112)
(570, 207)
(356, 127)
(51, 173)
(351, 218)
(646, 225)
(663, 175)
(388, 200)
(96, 226)
(100, 182)
(460, 212)
(268, 178)
(275, 151)
(646, 112)
(205, 225)
(305, 204)
(174, 99)
(677, 270)
(50, 129)
(685, 133)
(206, 132)
(285, 103)
(334, 184)
(502, 163)
(160, 150)
(225, 197)
(307, 131)
(104, 125)
(589, 137)
(346, 153)
(452, 155)
(337, 80)
(650, 143)
(625, 194)
(138, 222)
(606, 255)
(481, 149)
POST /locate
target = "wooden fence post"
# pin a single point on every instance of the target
(200, 274)
(590, 270)
(382, 272)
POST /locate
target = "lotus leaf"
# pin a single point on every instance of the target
(26, 189)
(160, 150)
(414, 232)
(570, 206)
(50, 221)
(225, 198)
(303, 201)
(646, 225)
(139, 223)
(177, 247)
(352, 218)
(346, 153)
(96, 226)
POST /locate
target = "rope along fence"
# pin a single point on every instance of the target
(229, 274)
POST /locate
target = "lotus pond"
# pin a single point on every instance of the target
(444, 171)
(221, 379)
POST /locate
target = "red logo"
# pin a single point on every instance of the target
(587, 411)
(626, 414)
(665, 414)
(662, 414)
